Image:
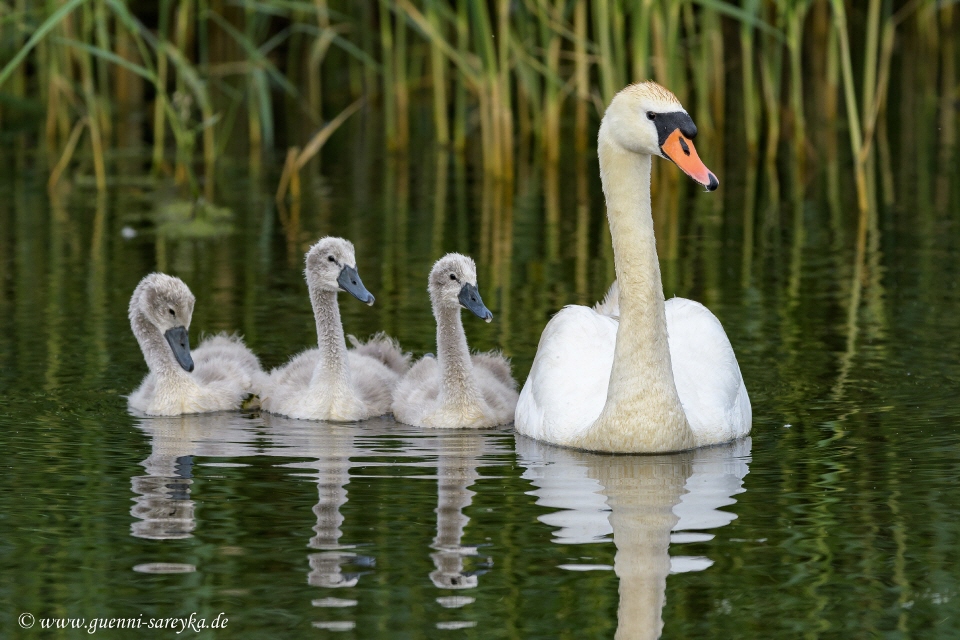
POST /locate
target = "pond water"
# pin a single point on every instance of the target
(838, 517)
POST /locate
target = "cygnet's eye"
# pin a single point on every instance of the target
(651, 115)
(172, 312)
(453, 276)
(330, 258)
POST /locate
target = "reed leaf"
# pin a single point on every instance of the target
(255, 54)
(109, 56)
(45, 28)
(745, 17)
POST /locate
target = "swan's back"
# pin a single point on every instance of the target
(291, 379)
(610, 305)
(707, 375)
(498, 365)
(567, 386)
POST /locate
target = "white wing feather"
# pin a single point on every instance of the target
(567, 385)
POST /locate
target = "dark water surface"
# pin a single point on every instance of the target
(840, 517)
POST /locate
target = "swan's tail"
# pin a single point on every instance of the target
(610, 305)
(385, 349)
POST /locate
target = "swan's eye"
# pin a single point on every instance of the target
(330, 258)
(453, 276)
(651, 115)
(172, 312)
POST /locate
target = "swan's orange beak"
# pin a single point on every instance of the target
(684, 155)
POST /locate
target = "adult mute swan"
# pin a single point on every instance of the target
(215, 377)
(329, 382)
(456, 389)
(662, 377)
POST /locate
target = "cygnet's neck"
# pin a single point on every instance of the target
(333, 475)
(642, 411)
(156, 350)
(457, 384)
(331, 369)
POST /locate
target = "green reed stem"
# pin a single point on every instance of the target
(849, 90)
(438, 71)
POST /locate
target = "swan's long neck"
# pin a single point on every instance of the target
(457, 384)
(331, 370)
(642, 411)
(156, 350)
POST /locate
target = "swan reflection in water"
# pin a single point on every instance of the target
(646, 503)
(163, 509)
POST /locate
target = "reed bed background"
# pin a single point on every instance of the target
(273, 79)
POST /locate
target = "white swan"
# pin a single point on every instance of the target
(455, 389)
(215, 377)
(329, 382)
(662, 377)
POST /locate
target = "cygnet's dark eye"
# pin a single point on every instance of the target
(651, 115)
(453, 276)
(172, 312)
(330, 258)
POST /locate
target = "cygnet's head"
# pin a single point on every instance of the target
(332, 266)
(166, 303)
(453, 283)
(647, 119)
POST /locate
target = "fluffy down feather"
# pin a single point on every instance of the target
(368, 392)
(385, 349)
(225, 373)
(418, 398)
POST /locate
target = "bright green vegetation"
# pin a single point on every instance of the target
(200, 78)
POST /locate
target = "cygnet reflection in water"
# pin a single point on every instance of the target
(457, 459)
(163, 508)
(331, 447)
(643, 501)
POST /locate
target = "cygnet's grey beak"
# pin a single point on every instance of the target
(470, 299)
(179, 341)
(349, 281)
